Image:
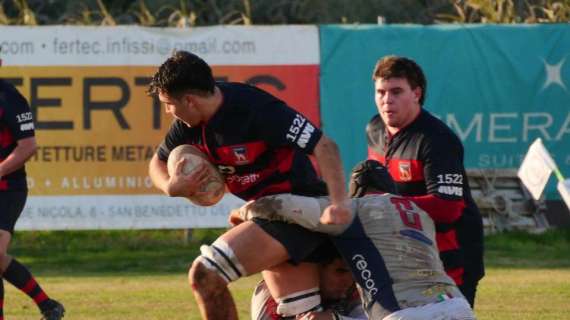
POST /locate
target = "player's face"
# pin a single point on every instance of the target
(336, 280)
(182, 108)
(397, 103)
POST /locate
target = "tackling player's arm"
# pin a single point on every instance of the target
(328, 157)
(17, 158)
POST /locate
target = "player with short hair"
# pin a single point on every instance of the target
(17, 145)
(389, 246)
(425, 157)
(261, 145)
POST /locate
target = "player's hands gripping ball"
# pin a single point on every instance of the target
(194, 177)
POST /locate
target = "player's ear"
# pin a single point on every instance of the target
(418, 94)
(188, 100)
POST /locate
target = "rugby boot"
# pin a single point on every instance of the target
(53, 311)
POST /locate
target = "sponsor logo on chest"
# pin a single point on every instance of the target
(243, 180)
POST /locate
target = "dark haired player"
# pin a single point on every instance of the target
(262, 147)
(425, 157)
(17, 145)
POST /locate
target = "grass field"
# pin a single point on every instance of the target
(142, 275)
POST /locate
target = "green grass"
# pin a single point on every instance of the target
(142, 275)
(82, 253)
(523, 250)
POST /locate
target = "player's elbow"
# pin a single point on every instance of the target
(27, 147)
(326, 146)
(33, 148)
(157, 167)
(158, 174)
(152, 165)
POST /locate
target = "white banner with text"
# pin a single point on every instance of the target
(97, 128)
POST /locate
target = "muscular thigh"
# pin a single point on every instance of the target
(255, 249)
(286, 278)
(260, 246)
(300, 244)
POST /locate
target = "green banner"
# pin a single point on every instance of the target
(497, 87)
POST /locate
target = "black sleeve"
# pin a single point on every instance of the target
(443, 166)
(17, 115)
(176, 135)
(281, 125)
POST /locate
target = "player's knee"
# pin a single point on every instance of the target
(202, 278)
(299, 303)
(216, 263)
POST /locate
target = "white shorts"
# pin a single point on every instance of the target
(452, 309)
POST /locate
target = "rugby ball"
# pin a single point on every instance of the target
(209, 193)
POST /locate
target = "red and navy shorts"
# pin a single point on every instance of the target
(301, 244)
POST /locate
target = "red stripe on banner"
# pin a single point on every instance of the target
(30, 285)
(403, 170)
(456, 274)
(3, 185)
(372, 155)
(297, 85)
(446, 240)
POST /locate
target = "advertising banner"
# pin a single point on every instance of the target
(97, 129)
(499, 87)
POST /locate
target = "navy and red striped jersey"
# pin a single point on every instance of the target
(16, 123)
(258, 143)
(426, 160)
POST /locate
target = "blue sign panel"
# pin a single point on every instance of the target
(497, 87)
